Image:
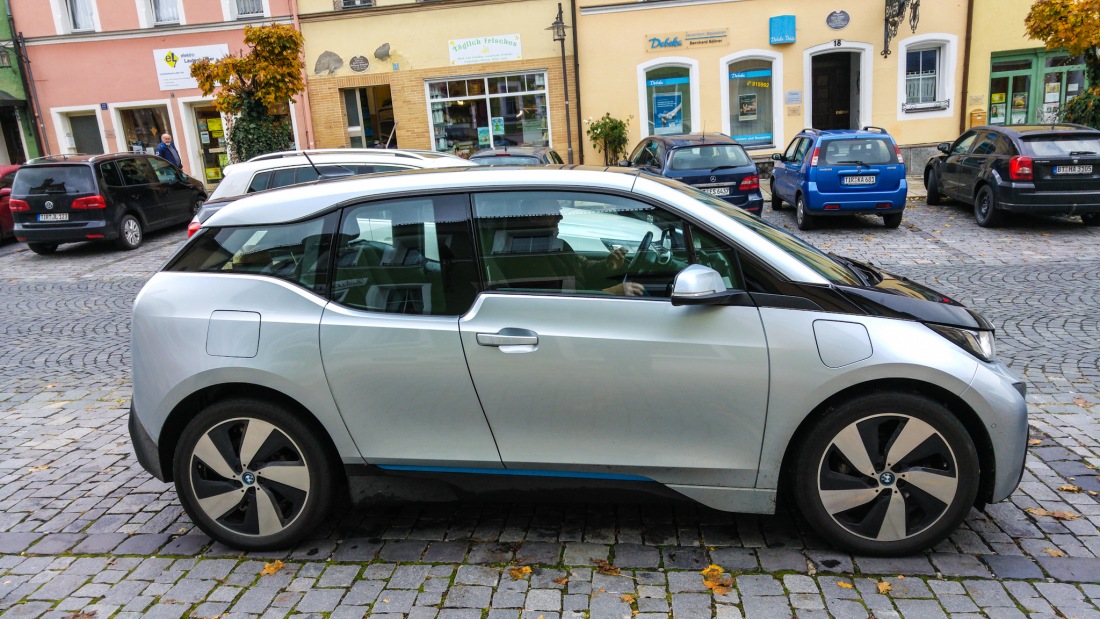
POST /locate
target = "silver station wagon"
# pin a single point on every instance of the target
(427, 334)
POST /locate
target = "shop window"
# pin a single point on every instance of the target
(166, 12)
(1033, 87)
(751, 102)
(501, 110)
(668, 99)
(80, 15)
(144, 126)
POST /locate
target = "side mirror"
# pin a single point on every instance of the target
(700, 285)
(944, 148)
(624, 163)
(777, 156)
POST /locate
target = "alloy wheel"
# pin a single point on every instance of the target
(131, 229)
(249, 477)
(887, 477)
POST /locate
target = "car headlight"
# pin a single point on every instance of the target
(978, 343)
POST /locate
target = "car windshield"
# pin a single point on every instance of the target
(709, 157)
(495, 160)
(1055, 145)
(800, 250)
(866, 151)
(54, 179)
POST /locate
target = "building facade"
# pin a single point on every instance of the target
(17, 127)
(113, 75)
(452, 76)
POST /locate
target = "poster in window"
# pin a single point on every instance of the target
(1019, 108)
(997, 97)
(997, 114)
(746, 107)
(214, 124)
(668, 113)
(497, 123)
(1053, 92)
(483, 136)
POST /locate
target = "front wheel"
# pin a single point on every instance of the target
(804, 220)
(1091, 219)
(893, 220)
(777, 202)
(985, 208)
(252, 475)
(932, 185)
(887, 474)
(129, 233)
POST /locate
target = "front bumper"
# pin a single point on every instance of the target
(148, 456)
(997, 396)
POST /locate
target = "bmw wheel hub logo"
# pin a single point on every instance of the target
(887, 479)
(248, 478)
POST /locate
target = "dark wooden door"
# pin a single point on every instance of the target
(832, 90)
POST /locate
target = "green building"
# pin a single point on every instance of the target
(17, 136)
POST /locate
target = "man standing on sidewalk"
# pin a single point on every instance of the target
(167, 150)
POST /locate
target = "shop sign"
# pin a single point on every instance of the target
(781, 29)
(838, 20)
(498, 48)
(794, 97)
(174, 64)
(359, 64)
(674, 41)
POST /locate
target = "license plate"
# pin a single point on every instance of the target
(857, 180)
(1073, 169)
(717, 191)
(53, 217)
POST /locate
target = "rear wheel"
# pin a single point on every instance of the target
(985, 208)
(804, 220)
(893, 220)
(932, 185)
(252, 475)
(197, 206)
(777, 202)
(887, 474)
(1091, 219)
(129, 233)
(43, 249)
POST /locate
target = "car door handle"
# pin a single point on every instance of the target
(508, 337)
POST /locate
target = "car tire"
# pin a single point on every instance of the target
(1091, 219)
(932, 185)
(130, 233)
(892, 220)
(985, 208)
(43, 249)
(856, 498)
(242, 504)
(805, 220)
(197, 206)
(777, 202)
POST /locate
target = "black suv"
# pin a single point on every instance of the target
(1040, 169)
(72, 198)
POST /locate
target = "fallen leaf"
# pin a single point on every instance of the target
(900, 577)
(518, 573)
(634, 613)
(843, 585)
(385, 601)
(715, 581)
(1069, 488)
(561, 581)
(1082, 402)
(1054, 552)
(712, 571)
(1065, 516)
(1037, 511)
(35, 469)
(810, 569)
(81, 615)
(883, 587)
(1035, 441)
(1093, 493)
(628, 598)
(271, 568)
(606, 568)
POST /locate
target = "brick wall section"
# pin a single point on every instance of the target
(410, 106)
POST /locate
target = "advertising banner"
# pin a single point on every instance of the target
(174, 64)
(668, 113)
(498, 48)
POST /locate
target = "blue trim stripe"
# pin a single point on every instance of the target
(668, 81)
(747, 74)
(521, 472)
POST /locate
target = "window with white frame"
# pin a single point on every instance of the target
(166, 12)
(80, 15)
(926, 76)
(250, 8)
(668, 96)
(922, 75)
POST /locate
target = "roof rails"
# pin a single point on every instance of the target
(810, 130)
(875, 129)
(336, 151)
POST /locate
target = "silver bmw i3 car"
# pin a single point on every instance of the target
(428, 334)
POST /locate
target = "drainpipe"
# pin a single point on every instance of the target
(965, 105)
(292, 5)
(577, 83)
(28, 79)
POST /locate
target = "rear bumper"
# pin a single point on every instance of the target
(1025, 198)
(148, 456)
(67, 232)
(856, 202)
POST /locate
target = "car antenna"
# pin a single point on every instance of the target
(306, 155)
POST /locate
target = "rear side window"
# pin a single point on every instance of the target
(709, 157)
(867, 151)
(1055, 146)
(259, 182)
(111, 175)
(54, 179)
(297, 252)
(135, 173)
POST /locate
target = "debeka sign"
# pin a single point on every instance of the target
(692, 38)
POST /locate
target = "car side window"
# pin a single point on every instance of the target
(801, 150)
(635, 158)
(711, 252)
(111, 175)
(7, 180)
(297, 252)
(1003, 146)
(134, 173)
(564, 242)
(406, 256)
(962, 145)
(792, 148)
(556, 158)
(390, 168)
(164, 170)
(259, 182)
(986, 145)
(283, 177)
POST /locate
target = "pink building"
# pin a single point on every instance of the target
(113, 75)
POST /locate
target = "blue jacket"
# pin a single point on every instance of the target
(169, 153)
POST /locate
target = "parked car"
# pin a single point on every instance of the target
(296, 167)
(72, 198)
(7, 177)
(841, 172)
(516, 155)
(713, 162)
(1034, 169)
(408, 334)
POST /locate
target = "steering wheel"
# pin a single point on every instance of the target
(642, 248)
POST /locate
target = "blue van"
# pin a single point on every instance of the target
(840, 172)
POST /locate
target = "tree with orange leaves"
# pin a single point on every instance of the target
(1072, 25)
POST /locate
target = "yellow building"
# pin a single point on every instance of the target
(761, 70)
(454, 77)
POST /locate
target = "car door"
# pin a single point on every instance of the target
(793, 165)
(404, 272)
(780, 172)
(950, 177)
(575, 377)
(177, 195)
(141, 192)
(973, 163)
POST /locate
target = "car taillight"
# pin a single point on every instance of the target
(1019, 168)
(193, 227)
(89, 202)
(17, 206)
(813, 160)
(897, 151)
(750, 182)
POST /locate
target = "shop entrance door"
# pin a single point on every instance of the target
(86, 134)
(213, 155)
(370, 120)
(835, 95)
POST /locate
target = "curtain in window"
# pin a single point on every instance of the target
(250, 7)
(81, 13)
(166, 11)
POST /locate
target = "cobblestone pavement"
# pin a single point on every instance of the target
(84, 530)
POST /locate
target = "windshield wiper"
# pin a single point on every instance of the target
(857, 162)
(1081, 152)
(857, 270)
(723, 167)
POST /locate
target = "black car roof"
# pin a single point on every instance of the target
(80, 158)
(693, 139)
(1030, 130)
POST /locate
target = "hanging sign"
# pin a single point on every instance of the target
(781, 29)
(174, 65)
(498, 48)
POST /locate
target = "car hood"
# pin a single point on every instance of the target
(896, 296)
